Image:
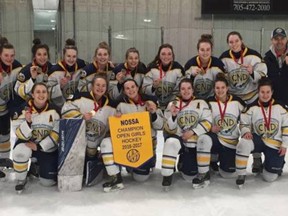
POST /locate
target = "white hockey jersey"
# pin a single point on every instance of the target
(241, 83)
(229, 133)
(44, 129)
(253, 121)
(7, 84)
(193, 115)
(170, 79)
(203, 83)
(98, 127)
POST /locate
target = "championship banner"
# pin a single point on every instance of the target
(131, 139)
(71, 154)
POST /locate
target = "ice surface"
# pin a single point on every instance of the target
(222, 197)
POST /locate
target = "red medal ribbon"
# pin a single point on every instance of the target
(222, 112)
(187, 103)
(266, 120)
(9, 69)
(200, 64)
(98, 105)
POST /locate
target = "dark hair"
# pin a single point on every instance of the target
(265, 81)
(103, 45)
(186, 80)
(220, 77)
(205, 38)
(38, 84)
(38, 45)
(131, 50)
(127, 80)
(4, 44)
(238, 34)
(70, 44)
(157, 57)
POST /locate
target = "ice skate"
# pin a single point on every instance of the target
(202, 180)
(240, 181)
(2, 174)
(116, 183)
(20, 186)
(33, 170)
(257, 166)
(214, 167)
(6, 162)
(166, 183)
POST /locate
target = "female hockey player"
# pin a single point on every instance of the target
(244, 67)
(37, 129)
(131, 69)
(163, 76)
(186, 119)
(63, 77)
(224, 135)
(101, 64)
(132, 102)
(34, 72)
(203, 68)
(95, 108)
(264, 128)
(9, 69)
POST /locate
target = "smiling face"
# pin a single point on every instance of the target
(265, 93)
(40, 96)
(166, 56)
(235, 43)
(99, 87)
(70, 57)
(7, 56)
(41, 56)
(221, 90)
(186, 91)
(131, 90)
(204, 51)
(279, 43)
(102, 56)
(132, 60)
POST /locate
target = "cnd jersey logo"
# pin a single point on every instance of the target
(95, 129)
(203, 87)
(228, 125)
(261, 129)
(70, 88)
(187, 119)
(5, 92)
(39, 134)
(238, 78)
(164, 89)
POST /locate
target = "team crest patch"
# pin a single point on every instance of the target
(21, 77)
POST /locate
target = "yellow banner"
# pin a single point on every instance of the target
(131, 139)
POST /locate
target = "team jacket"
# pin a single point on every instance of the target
(253, 121)
(44, 129)
(59, 95)
(170, 78)
(229, 133)
(193, 115)
(203, 83)
(137, 74)
(88, 73)
(24, 83)
(98, 127)
(9, 75)
(241, 83)
(278, 73)
(126, 106)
